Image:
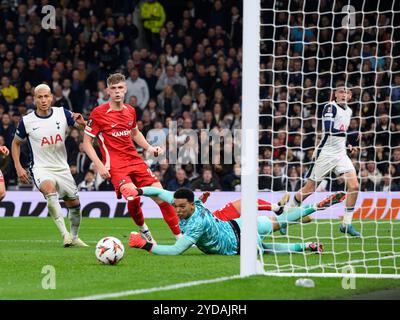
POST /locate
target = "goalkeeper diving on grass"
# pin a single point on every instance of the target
(214, 236)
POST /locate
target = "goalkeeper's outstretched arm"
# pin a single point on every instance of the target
(180, 246)
(164, 195)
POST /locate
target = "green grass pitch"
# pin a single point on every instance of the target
(29, 244)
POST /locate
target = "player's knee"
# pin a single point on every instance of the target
(127, 186)
(128, 191)
(72, 203)
(352, 184)
(308, 187)
(48, 187)
(2, 194)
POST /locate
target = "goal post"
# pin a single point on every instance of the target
(249, 137)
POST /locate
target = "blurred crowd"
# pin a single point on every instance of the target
(183, 63)
(304, 55)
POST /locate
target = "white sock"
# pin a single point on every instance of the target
(75, 217)
(275, 207)
(177, 236)
(55, 212)
(295, 202)
(348, 215)
(144, 227)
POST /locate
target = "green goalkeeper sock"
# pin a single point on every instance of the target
(283, 247)
(295, 213)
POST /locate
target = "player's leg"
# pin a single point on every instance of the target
(296, 213)
(266, 225)
(303, 193)
(352, 194)
(232, 209)
(292, 247)
(318, 170)
(229, 212)
(168, 213)
(128, 190)
(276, 208)
(2, 186)
(75, 218)
(67, 189)
(124, 186)
(48, 189)
(142, 176)
(298, 198)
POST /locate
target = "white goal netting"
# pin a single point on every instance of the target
(307, 48)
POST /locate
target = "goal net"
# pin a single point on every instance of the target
(308, 48)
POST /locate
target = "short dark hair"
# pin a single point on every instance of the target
(184, 193)
(340, 84)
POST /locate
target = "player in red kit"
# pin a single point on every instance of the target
(114, 125)
(232, 210)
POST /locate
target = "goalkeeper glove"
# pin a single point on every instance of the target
(136, 241)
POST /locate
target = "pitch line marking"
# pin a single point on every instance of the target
(156, 289)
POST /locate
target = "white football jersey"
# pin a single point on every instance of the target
(46, 138)
(335, 144)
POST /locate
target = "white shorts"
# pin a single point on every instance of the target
(326, 164)
(65, 183)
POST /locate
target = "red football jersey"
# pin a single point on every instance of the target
(113, 130)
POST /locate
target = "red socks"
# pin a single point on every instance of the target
(170, 217)
(136, 212)
(167, 211)
(264, 205)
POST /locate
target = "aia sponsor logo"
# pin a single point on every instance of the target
(121, 133)
(51, 140)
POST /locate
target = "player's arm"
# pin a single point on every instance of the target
(328, 116)
(139, 139)
(180, 246)
(353, 141)
(74, 119)
(91, 130)
(146, 95)
(19, 138)
(80, 122)
(91, 153)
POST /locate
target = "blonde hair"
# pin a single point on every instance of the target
(115, 78)
(42, 86)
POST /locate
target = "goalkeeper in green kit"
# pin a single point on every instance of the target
(214, 236)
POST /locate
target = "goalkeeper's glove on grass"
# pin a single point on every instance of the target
(136, 241)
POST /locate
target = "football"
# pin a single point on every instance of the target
(109, 250)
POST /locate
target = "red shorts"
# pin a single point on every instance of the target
(228, 212)
(139, 174)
